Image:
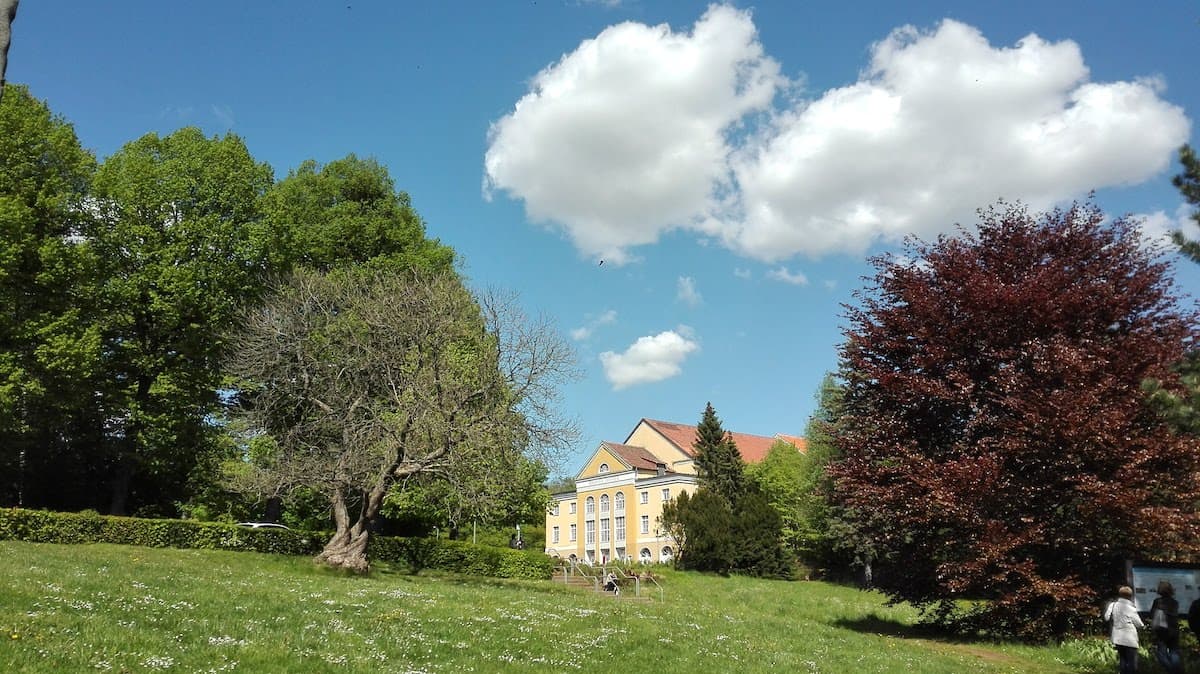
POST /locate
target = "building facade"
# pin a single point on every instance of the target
(613, 514)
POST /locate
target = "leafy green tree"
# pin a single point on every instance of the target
(718, 464)
(49, 342)
(779, 476)
(365, 379)
(995, 442)
(343, 214)
(178, 217)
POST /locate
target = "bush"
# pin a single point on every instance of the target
(37, 526)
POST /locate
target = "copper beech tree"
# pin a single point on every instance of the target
(356, 381)
(996, 442)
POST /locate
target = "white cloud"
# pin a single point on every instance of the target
(643, 130)
(1157, 227)
(624, 138)
(783, 274)
(686, 291)
(224, 115)
(649, 359)
(585, 331)
(741, 273)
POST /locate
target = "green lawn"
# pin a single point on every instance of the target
(113, 608)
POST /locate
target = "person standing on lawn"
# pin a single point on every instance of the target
(1125, 624)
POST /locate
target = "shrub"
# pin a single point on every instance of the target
(38, 526)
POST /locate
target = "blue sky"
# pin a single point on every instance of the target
(733, 165)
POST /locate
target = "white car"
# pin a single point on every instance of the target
(261, 525)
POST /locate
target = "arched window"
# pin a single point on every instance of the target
(603, 468)
(644, 556)
(589, 506)
(620, 501)
(604, 503)
(666, 553)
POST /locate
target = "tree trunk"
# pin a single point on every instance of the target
(274, 509)
(119, 504)
(348, 547)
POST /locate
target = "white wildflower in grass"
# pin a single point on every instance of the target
(224, 640)
(159, 662)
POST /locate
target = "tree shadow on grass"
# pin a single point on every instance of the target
(888, 627)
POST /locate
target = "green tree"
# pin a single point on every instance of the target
(369, 378)
(701, 526)
(779, 476)
(178, 221)
(757, 537)
(343, 214)
(719, 466)
(49, 343)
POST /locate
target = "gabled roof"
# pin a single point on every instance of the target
(753, 448)
(635, 457)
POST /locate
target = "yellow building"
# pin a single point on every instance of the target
(613, 512)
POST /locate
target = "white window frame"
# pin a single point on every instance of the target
(619, 501)
(645, 497)
(619, 524)
(603, 468)
(589, 506)
(666, 493)
(589, 532)
(574, 532)
(604, 531)
(554, 510)
(603, 504)
(554, 535)
(645, 524)
(572, 507)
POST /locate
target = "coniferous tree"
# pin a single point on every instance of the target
(718, 463)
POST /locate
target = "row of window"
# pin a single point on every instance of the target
(589, 507)
(590, 530)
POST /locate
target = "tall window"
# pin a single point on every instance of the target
(603, 531)
(589, 506)
(620, 525)
(645, 524)
(554, 510)
(604, 503)
(589, 532)
(572, 507)
(666, 493)
(574, 532)
(645, 497)
(554, 535)
(619, 499)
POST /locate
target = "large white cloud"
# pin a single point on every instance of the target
(649, 359)
(642, 130)
(624, 138)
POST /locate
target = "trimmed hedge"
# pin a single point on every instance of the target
(38, 526)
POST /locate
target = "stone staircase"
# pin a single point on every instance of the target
(575, 579)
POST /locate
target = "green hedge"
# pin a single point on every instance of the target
(37, 526)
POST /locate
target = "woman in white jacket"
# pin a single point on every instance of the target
(1125, 624)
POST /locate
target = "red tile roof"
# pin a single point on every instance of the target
(753, 448)
(637, 457)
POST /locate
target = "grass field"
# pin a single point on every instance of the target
(125, 609)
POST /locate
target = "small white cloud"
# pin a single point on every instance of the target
(829, 284)
(686, 291)
(741, 273)
(1157, 227)
(585, 331)
(783, 274)
(649, 359)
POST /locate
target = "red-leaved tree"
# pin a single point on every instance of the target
(996, 441)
